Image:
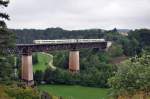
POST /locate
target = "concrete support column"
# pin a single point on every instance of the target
(27, 70)
(74, 65)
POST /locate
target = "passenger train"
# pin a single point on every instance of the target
(61, 41)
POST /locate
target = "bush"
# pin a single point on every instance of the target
(35, 58)
(23, 93)
(132, 76)
(94, 76)
(14, 92)
(115, 50)
(38, 76)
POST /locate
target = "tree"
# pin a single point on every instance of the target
(3, 15)
(115, 30)
(115, 50)
(35, 58)
(60, 59)
(6, 40)
(132, 76)
(38, 76)
(139, 40)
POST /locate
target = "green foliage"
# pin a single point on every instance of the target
(6, 69)
(137, 41)
(35, 58)
(57, 76)
(142, 36)
(3, 94)
(61, 59)
(28, 35)
(92, 76)
(115, 50)
(114, 36)
(6, 40)
(132, 76)
(14, 92)
(132, 44)
(38, 76)
(20, 93)
(131, 47)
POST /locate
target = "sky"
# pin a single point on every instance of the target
(79, 14)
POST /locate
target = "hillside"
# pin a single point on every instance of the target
(28, 35)
(44, 61)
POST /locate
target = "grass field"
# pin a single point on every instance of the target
(44, 60)
(75, 92)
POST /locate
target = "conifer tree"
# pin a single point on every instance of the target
(6, 40)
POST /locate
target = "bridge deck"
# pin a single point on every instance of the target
(29, 48)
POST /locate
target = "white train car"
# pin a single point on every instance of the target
(59, 41)
(54, 41)
(90, 40)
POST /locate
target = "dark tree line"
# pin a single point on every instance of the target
(28, 35)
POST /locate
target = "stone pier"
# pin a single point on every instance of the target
(74, 65)
(27, 70)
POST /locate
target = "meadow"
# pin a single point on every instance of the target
(44, 60)
(75, 92)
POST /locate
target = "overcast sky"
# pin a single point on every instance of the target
(79, 14)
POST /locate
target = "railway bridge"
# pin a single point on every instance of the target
(26, 50)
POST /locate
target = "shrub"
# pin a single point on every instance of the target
(132, 76)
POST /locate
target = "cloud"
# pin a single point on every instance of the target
(79, 14)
